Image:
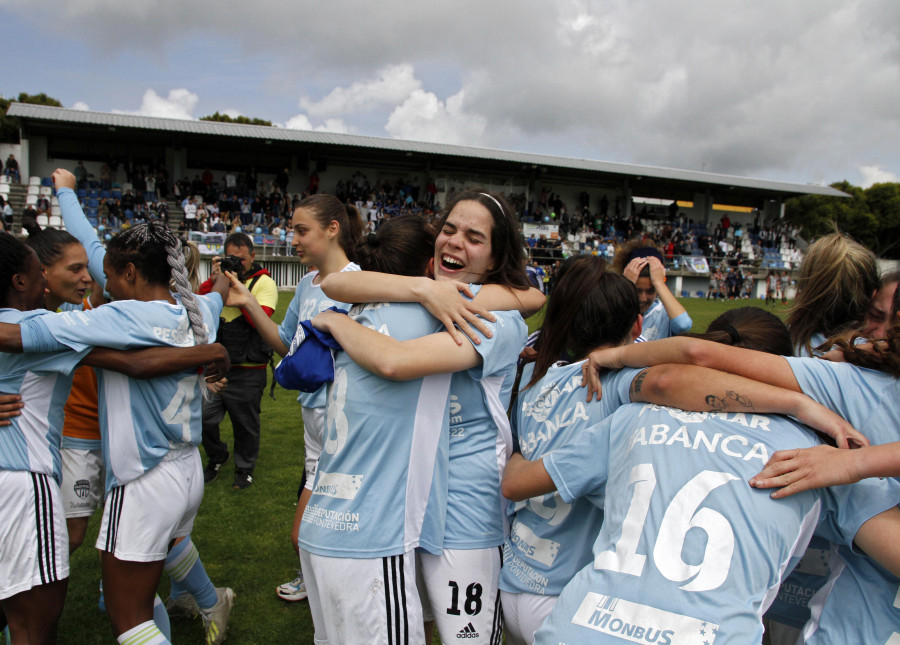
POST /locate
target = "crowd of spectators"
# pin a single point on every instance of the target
(261, 205)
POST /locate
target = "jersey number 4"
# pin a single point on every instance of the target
(682, 514)
(178, 412)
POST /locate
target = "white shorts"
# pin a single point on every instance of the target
(461, 594)
(312, 595)
(34, 543)
(523, 614)
(83, 479)
(141, 517)
(313, 431)
(368, 600)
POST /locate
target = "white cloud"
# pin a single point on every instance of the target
(80, 105)
(302, 122)
(875, 175)
(179, 104)
(424, 117)
(231, 112)
(299, 122)
(393, 85)
(803, 90)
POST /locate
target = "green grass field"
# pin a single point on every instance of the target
(244, 536)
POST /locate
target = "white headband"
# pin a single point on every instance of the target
(494, 199)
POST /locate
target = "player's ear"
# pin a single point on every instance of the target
(129, 273)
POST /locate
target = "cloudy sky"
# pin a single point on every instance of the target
(805, 90)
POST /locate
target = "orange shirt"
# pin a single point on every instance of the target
(81, 420)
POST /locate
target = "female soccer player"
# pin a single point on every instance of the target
(706, 552)
(549, 540)
(35, 555)
(150, 445)
(325, 236)
(643, 264)
(838, 278)
(864, 390)
(65, 266)
(192, 590)
(477, 243)
(376, 494)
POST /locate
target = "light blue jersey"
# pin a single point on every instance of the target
(308, 300)
(550, 540)
(791, 606)
(480, 437)
(43, 380)
(79, 227)
(140, 421)
(859, 601)
(689, 552)
(381, 482)
(657, 323)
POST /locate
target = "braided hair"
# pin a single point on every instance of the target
(156, 254)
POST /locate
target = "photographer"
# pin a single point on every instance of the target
(249, 356)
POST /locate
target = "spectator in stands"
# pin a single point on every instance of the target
(150, 188)
(190, 215)
(81, 175)
(105, 177)
(43, 205)
(7, 213)
(12, 169)
(127, 205)
(115, 212)
(282, 179)
(140, 187)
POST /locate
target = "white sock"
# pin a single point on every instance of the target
(144, 634)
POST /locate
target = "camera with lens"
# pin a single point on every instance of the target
(234, 264)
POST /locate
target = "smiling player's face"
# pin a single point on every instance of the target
(462, 251)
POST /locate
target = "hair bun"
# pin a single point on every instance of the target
(372, 239)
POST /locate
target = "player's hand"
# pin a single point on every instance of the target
(238, 295)
(443, 301)
(820, 418)
(794, 471)
(633, 269)
(217, 386)
(323, 319)
(215, 270)
(657, 272)
(10, 406)
(217, 370)
(62, 178)
(597, 362)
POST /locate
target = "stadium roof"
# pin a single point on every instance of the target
(656, 180)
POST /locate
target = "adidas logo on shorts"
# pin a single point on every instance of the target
(468, 632)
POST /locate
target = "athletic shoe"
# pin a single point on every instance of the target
(183, 606)
(293, 590)
(215, 619)
(242, 479)
(212, 469)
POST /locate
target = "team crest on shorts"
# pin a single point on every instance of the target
(82, 488)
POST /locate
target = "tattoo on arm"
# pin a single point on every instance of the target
(715, 403)
(731, 400)
(638, 382)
